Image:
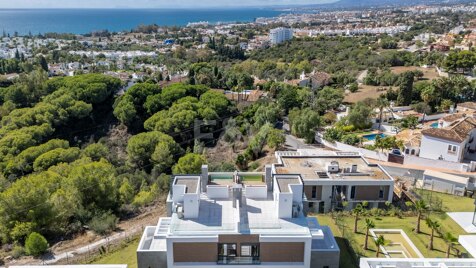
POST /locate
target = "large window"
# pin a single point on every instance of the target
(250, 250)
(352, 192)
(227, 250)
(314, 192)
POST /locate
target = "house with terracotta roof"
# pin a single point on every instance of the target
(466, 107)
(452, 143)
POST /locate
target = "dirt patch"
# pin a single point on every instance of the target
(365, 92)
(428, 73)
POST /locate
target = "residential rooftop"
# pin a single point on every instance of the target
(219, 210)
(457, 131)
(330, 166)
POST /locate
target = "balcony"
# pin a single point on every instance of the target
(238, 260)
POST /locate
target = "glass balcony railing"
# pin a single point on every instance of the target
(238, 260)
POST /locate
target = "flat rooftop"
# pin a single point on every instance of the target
(283, 183)
(255, 216)
(315, 167)
(190, 183)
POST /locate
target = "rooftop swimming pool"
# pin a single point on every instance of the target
(372, 137)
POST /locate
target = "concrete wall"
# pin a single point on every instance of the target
(433, 148)
(217, 192)
(285, 205)
(191, 206)
(425, 162)
(348, 148)
(152, 259)
(256, 191)
(321, 259)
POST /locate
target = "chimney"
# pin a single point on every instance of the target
(237, 194)
(354, 169)
(268, 177)
(204, 178)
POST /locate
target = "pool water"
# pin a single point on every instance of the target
(435, 125)
(372, 137)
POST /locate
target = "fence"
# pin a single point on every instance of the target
(95, 250)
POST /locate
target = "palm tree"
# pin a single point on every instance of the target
(433, 225)
(450, 240)
(357, 211)
(420, 207)
(382, 103)
(380, 241)
(369, 224)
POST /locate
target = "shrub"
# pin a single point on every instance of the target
(332, 135)
(103, 223)
(36, 244)
(351, 139)
(348, 128)
(17, 251)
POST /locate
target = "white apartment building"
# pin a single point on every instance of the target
(217, 220)
(280, 35)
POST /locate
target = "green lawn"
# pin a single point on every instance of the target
(124, 255)
(450, 203)
(421, 240)
(438, 201)
(257, 177)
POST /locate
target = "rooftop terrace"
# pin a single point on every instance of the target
(317, 167)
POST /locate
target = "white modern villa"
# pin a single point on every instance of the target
(222, 219)
(332, 178)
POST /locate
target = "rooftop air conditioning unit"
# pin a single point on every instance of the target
(354, 169)
(333, 167)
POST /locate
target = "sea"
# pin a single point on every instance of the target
(82, 21)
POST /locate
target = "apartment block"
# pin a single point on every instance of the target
(246, 219)
(336, 180)
(280, 35)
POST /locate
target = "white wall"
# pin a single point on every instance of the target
(284, 205)
(425, 162)
(178, 193)
(191, 204)
(217, 192)
(256, 191)
(297, 190)
(348, 148)
(433, 148)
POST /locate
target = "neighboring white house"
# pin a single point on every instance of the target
(452, 143)
(279, 35)
(446, 183)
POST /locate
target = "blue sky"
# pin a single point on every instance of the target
(148, 3)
